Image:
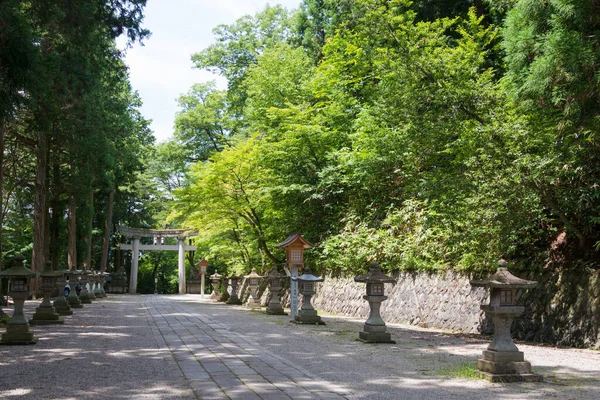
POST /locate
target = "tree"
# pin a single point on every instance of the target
(202, 127)
(238, 46)
(227, 197)
(552, 58)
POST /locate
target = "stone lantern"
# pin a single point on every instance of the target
(374, 330)
(61, 305)
(275, 283)
(45, 314)
(502, 361)
(17, 330)
(103, 275)
(225, 285)
(91, 285)
(73, 278)
(118, 283)
(99, 291)
(233, 297)
(85, 297)
(97, 284)
(253, 282)
(215, 280)
(307, 314)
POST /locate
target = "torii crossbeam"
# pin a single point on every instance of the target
(137, 233)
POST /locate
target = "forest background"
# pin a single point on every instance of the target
(426, 135)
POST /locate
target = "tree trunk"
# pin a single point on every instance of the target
(107, 230)
(57, 216)
(47, 210)
(2, 303)
(39, 214)
(87, 257)
(72, 232)
(1, 188)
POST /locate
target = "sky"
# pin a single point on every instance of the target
(161, 70)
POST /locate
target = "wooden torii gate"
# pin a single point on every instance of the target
(137, 233)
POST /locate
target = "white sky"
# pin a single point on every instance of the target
(162, 69)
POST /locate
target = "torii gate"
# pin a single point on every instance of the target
(137, 233)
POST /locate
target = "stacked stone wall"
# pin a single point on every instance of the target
(564, 309)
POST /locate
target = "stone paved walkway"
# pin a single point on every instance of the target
(221, 364)
(185, 347)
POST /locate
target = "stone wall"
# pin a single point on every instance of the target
(429, 300)
(564, 309)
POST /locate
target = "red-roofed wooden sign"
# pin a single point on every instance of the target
(202, 265)
(294, 247)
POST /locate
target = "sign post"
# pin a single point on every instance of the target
(203, 265)
(294, 293)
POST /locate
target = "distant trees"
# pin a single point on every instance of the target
(70, 133)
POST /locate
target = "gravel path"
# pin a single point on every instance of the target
(184, 347)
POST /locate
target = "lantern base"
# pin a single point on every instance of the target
(275, 310)
(61, 306)
(234, 300)
(117, 289)
(253, 303)
(510, 378)
(18, 335)
(224, 297)
(308, 317)
(46, 316)
(74, 302)
(506, 366)
(215, 296)
(91, 295)
(375, 334)
(98, 293)
(85, 298)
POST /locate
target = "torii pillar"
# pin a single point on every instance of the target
(181, 263)
(135, 254)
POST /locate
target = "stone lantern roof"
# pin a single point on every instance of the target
(216, 275)
(374, 276)
(307, 276)
(274, 274)
(253, 274)
(48, 272)
(293, 239)
(503, 279)
(18, 269)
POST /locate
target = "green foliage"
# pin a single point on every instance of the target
(202, 127)
(459, 371)
(227, 199)
(390, 131)
(238, 46)
(552, 56)
(4, 319)
(161, 265)
(68, 120)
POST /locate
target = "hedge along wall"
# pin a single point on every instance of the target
(564, 309)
